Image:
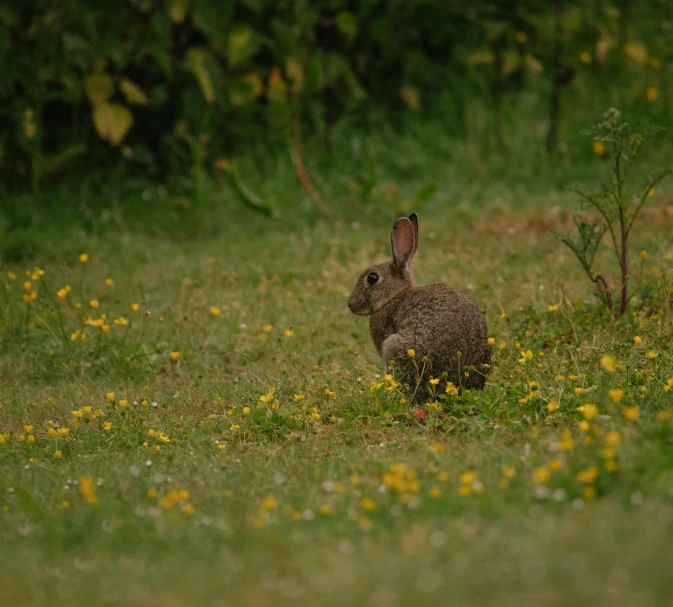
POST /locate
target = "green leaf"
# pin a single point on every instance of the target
(196, 59)
(242, 43)
(112, 122)
(99, 88)
(347, 25)
(133, 93)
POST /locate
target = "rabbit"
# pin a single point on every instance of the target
(435, 321)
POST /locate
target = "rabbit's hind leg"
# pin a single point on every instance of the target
(409, 370)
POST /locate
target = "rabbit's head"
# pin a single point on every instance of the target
(380, 284)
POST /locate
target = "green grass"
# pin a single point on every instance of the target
(301, 506)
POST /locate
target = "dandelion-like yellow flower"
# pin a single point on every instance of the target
(567, 443)
(588, 411)
(107, 426)
(174, 356)
(123, 403)
(214, 311)
(110, 396)
(451, 389)
(588, 476)
(552, 308)
(88, 490)
(616, 394)
(491, 341)
(84, 257)
(585, 57)
(94, 304)
(268, 397)
(467, 478)
(411, 353)
(652, 355)
(552, 406)
(435, 492)
(652, 93)
(509, 472)
(637, 340)
(58, 454)
(599, 148)
(367, 504)
(269, 503)
(521, 37)
(288, 333)
(267, 328)
(669, 385)
(608, 363)
(526, 356)
(134, 307)
(109, 282)
(556, 464)
(541, 475)
(631, 413)
(434, 381)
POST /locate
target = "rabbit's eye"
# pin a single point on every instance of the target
(372, 278)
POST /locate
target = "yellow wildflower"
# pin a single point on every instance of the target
(175, 356)
(599, 148)
(526, 356)
(588, 411)
(541, 475)
(556, 464)
(631, 413)
(88, 490)
(268, 397)
(588, 476)
(608, 363)
(616, 394)
(367, 503)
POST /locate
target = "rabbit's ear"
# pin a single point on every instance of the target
(402, 240)
(413, 218)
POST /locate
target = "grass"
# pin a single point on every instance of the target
(185, 488)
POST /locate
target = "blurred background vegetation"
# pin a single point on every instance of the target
(174, 114)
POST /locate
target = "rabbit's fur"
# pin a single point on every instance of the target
(436, 321)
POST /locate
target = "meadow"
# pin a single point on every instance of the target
(201, 421)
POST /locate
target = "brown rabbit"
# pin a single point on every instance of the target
(437, 321)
